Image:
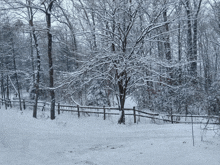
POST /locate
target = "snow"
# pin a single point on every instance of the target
(130, 103)
(68, 140)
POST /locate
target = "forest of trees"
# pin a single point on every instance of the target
(162, 53)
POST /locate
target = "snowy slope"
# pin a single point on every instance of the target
(92, 141)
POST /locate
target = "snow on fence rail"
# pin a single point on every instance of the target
(172, 118)
(103, 111)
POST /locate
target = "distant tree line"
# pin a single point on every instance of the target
(162, 53)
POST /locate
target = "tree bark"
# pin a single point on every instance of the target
(7, 88)
(194, 46)
(122, 86)
(50, 58)
(167, 37)
(179, 53)
(189, 38)
(16, 75)
(2, 83)
(37, 78)
(167, 44)
(32, 56)
(122, 95)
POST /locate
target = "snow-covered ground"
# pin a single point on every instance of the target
(90, 140)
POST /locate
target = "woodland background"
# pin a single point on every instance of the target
(162, 53)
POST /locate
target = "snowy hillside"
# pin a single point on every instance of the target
(93, 141)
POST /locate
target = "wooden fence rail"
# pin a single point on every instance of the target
(113, 111)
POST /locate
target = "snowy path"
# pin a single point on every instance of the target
(92, 141)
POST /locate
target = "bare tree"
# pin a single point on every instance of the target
(48, 5)
(119, 63)
(33, 33)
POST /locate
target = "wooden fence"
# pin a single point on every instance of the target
(104, 111)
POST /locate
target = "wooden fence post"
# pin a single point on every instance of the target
(104, 111)
(24, 104)
(171, 115)
(172, 118)
(78, 111)
(43, 108)
(192, 130)
(5, 104)
(134, 114)
(58, 108)
(10, 103)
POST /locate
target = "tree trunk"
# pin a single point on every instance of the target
(35, 83)
(194, 57)
(167, 45)
(16, 75)
(167, 38)
(7, 88)
(179, 53)
(122, 86)
(51, 72)
(37, 76)
(189, 38)
(32, 56)
(2, 86)
(122, 92)
(94, 47)
(194, 46)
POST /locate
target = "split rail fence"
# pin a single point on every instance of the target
(104, 111)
